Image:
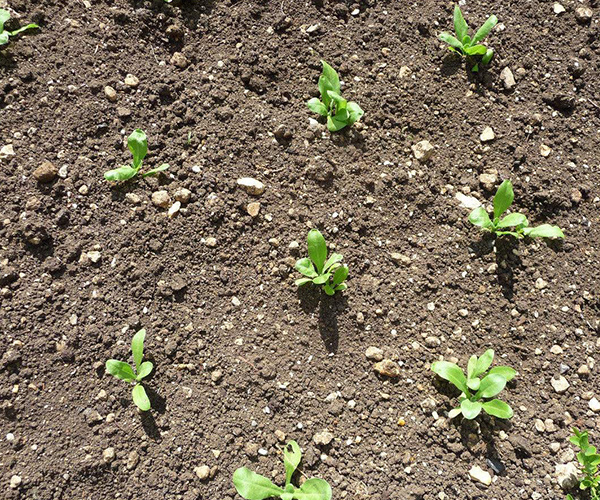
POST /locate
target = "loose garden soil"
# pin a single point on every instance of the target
(239, 352)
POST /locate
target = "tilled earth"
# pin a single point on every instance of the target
(242, 357)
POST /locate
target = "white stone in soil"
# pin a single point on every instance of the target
(480, 475)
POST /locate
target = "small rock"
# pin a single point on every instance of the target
(576, 196)
(488, 181)
(545, 150)
(216, 375)
(323, 438)
(251, 186)
(508, 79)
(374, 353)
(179, 60)
(404, 71)
(583, 15)
(487, 135)
(46, 172)
(132, 460)
(108, 455)
(161, 199)
(467, 201)
(183, 195)
(132, 81)
(174, 210)
(253, 208)
(399, 258)
(480, 475)
(133, 198)
(560, 384)
(583, 370)
(123, 112)
(203, 472)
(558, 8)
(7, 151)
(567, 476)
(540, 283)
(15, 481)
(594, 405)
(110, 93)
(94, 255)
(387, 368)
(211, 242)
(422, 151)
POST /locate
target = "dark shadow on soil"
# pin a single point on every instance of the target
(507, 263)
(451, 64)
(158, 404)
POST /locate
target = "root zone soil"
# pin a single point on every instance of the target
(239, 352)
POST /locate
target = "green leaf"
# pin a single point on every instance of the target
(305, 266)
(140, 398)
(323, 278)
(156, 170)
(4, 38)
(505, 371)
(543, 231)
(454, 413)
(138, 145)
(337, 122)
(144, 370)
(4, 16)
(355, 113)
(291, 459)
(317, 249)
(497, 408)
(452, 41)
(302, 281)
(340, 102)
(461, 27)
(466, 41)
(137, 347)
(328, 289)
(484, 362)
(470, 409)
(485, 29)
(120, 369)
(253, 486)
(487, 57)
(24, 28)
(471, 365)
(490, 386)
(329, 80)
(512, 220)
(475, 50)
(473, 383)
(503, 198)
(317, 106)
(341, 287)
(121, 174)
(452, 373)
(480, 217)
(340, 276)
(314, 489)
(334, 258)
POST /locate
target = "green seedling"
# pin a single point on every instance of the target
(125, 372)
(4, 34)
(332, 105)
(319, 269)
(466, 46)
(589, 460)
(253, 486)
(138, 145)
(477, 387)
(502, 201)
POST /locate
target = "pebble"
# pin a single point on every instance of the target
(132, 460)
(110, 93)
(488, 181)
(583, 15)
(487, 135)
(251, 186)
(567, 475)
(108, 455)
(545, 150)
(179, 60)
(554, 447)
(323, 438)
(133, 198)
(183, 195)
(594, 405)
(480, 475)
(467, 201)
(216, 375)
(404, 71)
(399, 258)
(174, 210)
(7, 151)
(280, 435)
(253, 208)
(374, 353)
(508, 79)
(15, 481)
(560, 384)
(422, 150)
(387, 368)
(202, 471)
(211, 242)
(46, 172)
(132, 81)
(540, 284)
(558, 8)
(161, 199)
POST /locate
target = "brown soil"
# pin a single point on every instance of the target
(291, 360)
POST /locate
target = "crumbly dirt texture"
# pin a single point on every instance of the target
(239, 352)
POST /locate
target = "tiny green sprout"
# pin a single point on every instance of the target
(4, 34)
(138, 145)
(319, 269)
(332, 105)
(466, 46)
(589, 460)
(477, 387)
(125, 372)
(253, 486)
(502, 201)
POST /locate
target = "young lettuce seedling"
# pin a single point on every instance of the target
(253, 486)
(502, 201)
(477, 387)
(138, 145)
(4, 35)
(125, 372)
(332, 105)
(319, 269)
(589, 460)
(464, 44)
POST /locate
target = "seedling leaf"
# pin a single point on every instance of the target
(484, 362)
(485, 29)
(305, 266)
(317, 249)
(480, 217)
(506, 371)
(121, 174)
(460, 25)
(543, 231)
(140, 397)
(503, 198)
(120, 369)
(317, 106)
(470, 409)
(144, 370)
(291, 459)
(513, 220)
(450, 40)
(452, 373)
(156, 170)
(314, 489)
(137, 347)
(498, 408)
(253, 486)
(490, 386)
(138, 145)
